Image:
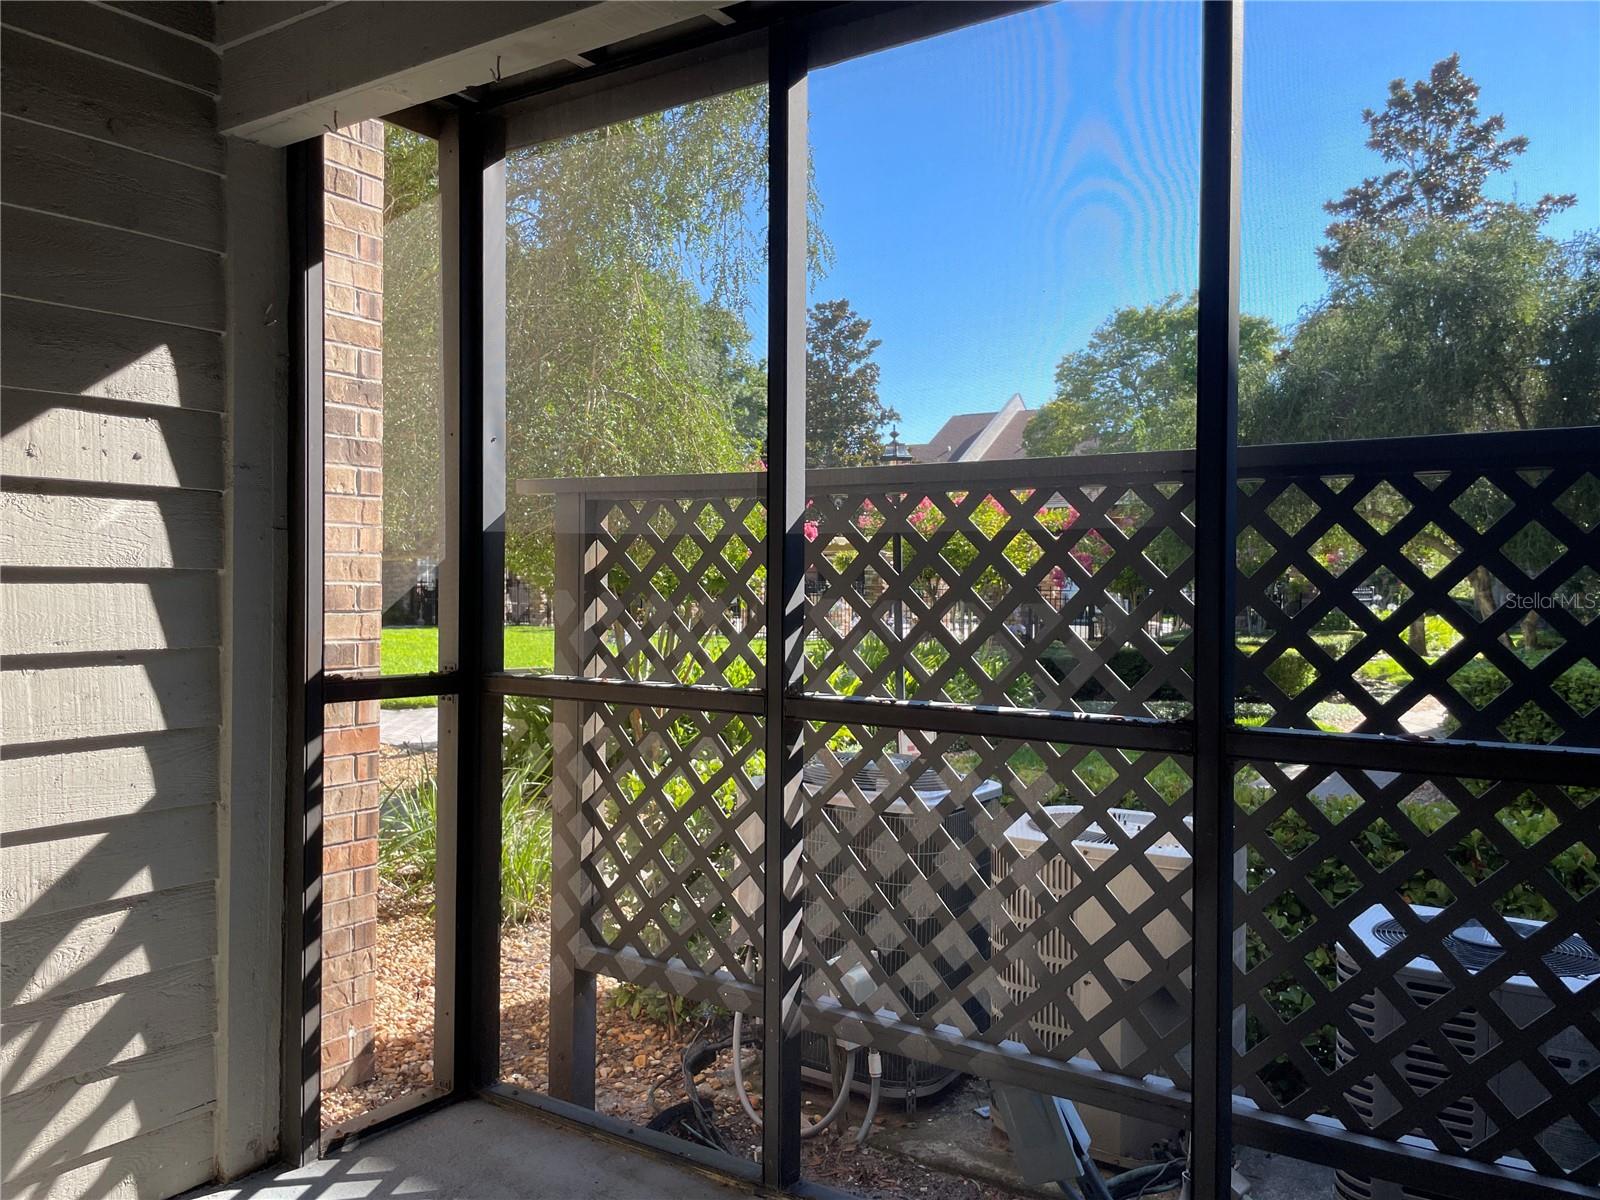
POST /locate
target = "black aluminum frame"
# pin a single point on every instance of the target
(781, 44)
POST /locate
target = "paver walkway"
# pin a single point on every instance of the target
(412, 728)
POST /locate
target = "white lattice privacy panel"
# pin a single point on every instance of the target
(1423, 958)
(980, 886)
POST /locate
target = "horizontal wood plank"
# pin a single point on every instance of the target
(54, 1039)
(90, 266)
(152, 852)
(174, 689)
(172, 769)
(117, 36)
(65, 955)
(75, 352)
(241, 19)
(196, 18)
(74, 176)
(178, 529)
(163, 1162)
(47, 436)
(56, 86)
(173, 612)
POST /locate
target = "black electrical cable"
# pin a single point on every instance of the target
(1150, 1178)
(693, 1117)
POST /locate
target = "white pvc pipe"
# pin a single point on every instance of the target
(840, 1098)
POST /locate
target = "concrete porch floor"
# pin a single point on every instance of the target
(478, 1151)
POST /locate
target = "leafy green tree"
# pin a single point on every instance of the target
(1445, 308)
(1448, 329)
(1443, 153)
(614, 235)
(413, 509)
(1133, 386)
(742, 379)
(1573, 338)
(1447, 311)
(845, 418)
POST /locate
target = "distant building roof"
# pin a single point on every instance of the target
(978, 437)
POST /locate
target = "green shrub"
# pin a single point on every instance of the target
(408, 847)
(408, 823)
(1291, 673)
(1480, 681)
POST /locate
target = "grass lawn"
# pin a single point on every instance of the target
(415, 651)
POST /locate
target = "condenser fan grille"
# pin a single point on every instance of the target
(1474, 947)
(868, 777)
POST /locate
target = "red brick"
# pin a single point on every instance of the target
(355, 392)
(339, 995)
(345, 360)
(341, 181)
(352, 214)
(338, 829)
(353, 331)
(367, 159)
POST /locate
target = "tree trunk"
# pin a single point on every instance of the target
(1483, 594)
(1419, 635)
(1530, 630)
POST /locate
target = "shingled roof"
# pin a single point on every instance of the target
(978, 437)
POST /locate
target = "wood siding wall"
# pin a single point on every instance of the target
(113, 541)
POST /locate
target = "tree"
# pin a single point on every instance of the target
(1447, 311)
(741, 379)
(845, 419)
(1446, 330)
(1573, 338)
(632, 254)
(1133, 386)
(1443, 153)
(634, 251)
(413, 505)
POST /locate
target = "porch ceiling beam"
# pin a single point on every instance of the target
(289, 84)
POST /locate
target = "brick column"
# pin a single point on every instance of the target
(353, 595)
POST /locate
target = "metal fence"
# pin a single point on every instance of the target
(1417, 926)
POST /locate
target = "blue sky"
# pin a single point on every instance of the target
(993, 194)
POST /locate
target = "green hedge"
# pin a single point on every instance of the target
(1480, 681)
(1291, 673)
